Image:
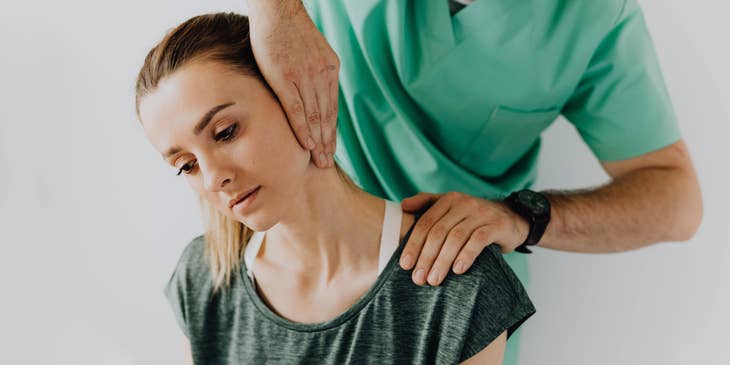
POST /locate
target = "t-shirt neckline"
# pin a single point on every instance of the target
(343, 317)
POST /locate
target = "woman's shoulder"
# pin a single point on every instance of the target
(500, 302)
(187, 284)
(192, 271)
(473, 308)
(490, 269)
(490, 281)
(193, 253)
(192, 258)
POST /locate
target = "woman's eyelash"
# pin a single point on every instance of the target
(224, 135)
(227, 133)
(183, 168)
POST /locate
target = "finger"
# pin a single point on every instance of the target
(321, 89)
(455, 240)
(419, 201)
(480, 238)
(329, 123)
(294, 109)
(418, 235)
(313, 117)
(434, 244)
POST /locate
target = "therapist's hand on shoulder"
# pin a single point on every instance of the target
(301, 68)
(454, 231)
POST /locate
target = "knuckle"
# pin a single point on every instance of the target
(331, 115)
(442, 265)
(291, 75)
(409, 253)
(426, 221)
(500, 220)
(483, 209)
(313, 118)
(312, 71)
(413, 244)
(327, 120)
(301, 131)
(426, 258)
(458, 234)
(453, 195)
(481, 236)
(438, 231)
(323, 65)
(296, 107)
(469, 253)
(333, 61)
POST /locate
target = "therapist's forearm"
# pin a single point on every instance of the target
(278, 7)
(638, 209)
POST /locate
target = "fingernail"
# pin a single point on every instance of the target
(434, 277)
(420, 275)
(322, 161)
(407, 262)
(459, 267)
(310, 143)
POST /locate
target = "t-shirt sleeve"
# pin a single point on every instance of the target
(502, 304)
(621, 107)
(185, 282)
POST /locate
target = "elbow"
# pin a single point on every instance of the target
(691, 219)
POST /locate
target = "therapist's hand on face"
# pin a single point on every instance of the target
(301, 68)
(454, 231)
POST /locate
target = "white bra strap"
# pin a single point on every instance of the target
(252, 249)
(390, 237)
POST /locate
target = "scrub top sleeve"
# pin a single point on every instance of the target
(621, 107)
(502, 304)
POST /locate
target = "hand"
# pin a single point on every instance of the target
(454, 231)
(302, 69)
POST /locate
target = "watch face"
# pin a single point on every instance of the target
(537, 203)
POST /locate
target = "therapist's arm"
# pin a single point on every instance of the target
(649, 199)
(302, 70)
(652, 198)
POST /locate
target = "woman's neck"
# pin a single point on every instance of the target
(329, 229)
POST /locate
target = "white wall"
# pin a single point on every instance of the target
(92, 221)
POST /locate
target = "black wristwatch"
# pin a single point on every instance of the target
(535, 208)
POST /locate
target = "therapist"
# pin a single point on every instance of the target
(447, 100)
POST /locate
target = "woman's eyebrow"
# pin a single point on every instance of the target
(200, 126)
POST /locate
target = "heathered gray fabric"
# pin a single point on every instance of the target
(395, 322)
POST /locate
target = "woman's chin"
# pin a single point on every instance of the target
(257, 225)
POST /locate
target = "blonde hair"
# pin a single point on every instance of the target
(221, 37)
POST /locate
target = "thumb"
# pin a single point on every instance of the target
(417, 202)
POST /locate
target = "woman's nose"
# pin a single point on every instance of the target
(216, 177)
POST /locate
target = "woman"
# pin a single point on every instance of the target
(297, 264)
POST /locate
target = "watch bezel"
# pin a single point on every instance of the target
(537, 219)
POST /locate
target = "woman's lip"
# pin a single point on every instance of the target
(247, 196)
(234, 202)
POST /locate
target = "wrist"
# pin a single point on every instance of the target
(556, 219)
(534, 210)
(522, 228)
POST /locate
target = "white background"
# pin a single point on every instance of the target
(92, 221)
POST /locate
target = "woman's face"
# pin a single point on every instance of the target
(229, 135)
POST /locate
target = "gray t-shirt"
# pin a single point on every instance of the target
(394, 322)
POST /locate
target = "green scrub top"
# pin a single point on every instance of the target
(434, 102)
